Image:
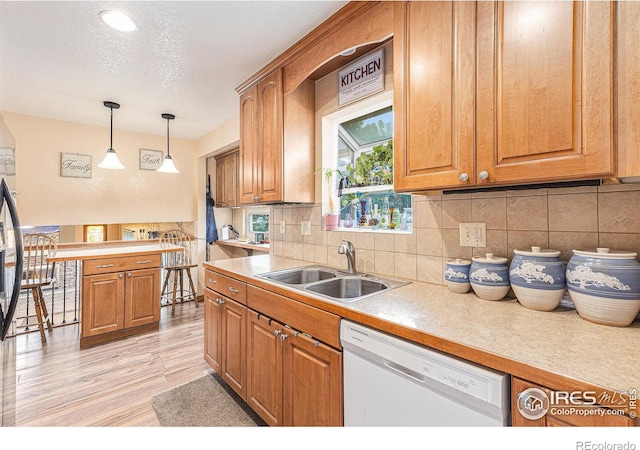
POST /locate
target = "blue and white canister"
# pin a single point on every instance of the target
(537, 278)
(605, 285)
(489, 277)
(456, 275)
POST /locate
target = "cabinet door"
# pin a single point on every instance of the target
(312, 383)
(264, 368)
(234, 346)
(230, 188)
(220, 182)
(628, 95)
(212, 330)
(434, 82)
(142, 297)
(249, 143)
(544, 91)
(102, 303)
(270, 120)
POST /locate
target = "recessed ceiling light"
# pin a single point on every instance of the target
(118, 20)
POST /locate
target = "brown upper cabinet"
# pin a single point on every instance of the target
(227, 179)
(498, 93)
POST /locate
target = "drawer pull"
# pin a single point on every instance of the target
(104, 266)
(212, 281)
(146, 261)
(120, 276)
(234, 290)
(129, 274)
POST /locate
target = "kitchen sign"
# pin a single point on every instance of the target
(75, 165)
(362, 78)
(150, 159)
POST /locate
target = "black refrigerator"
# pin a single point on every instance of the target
(10, 274)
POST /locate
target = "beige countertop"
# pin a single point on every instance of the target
(557, 349)
(121, 249)
(244, 244)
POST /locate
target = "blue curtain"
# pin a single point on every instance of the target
(212, 230)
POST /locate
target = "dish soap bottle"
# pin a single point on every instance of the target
(386, 214)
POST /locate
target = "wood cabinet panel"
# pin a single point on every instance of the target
(234, 346)
(142, 304)
(264, 368)
(227, 179)
(212, 330)
(102, 304)
(434, 82)
(312, 376)
(248, 157)
(270, 120)
(227, 286)
(544, 121)
(110, 265)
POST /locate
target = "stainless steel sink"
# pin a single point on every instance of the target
(347, 288)
(303, 275)
(332, 283)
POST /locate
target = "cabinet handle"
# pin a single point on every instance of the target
(235, 291)
(256, 198)
(483, 175)
(104, 266)
(219, 301)
(283, 337)
(129, 274)
(276, 333)
(120, 276)
(212, 281)
(146, 261)
(464, 176)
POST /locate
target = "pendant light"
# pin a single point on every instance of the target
(111, 160)
(167, 165)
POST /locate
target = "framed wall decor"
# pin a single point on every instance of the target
(75, 165)
(150, 159)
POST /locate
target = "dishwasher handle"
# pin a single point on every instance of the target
(404, 370)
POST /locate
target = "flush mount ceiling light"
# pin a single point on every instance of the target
(167, 165)
(118, 20)
(348, 52)
(111, 160)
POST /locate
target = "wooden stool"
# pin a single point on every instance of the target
(176, 264)
(38, 271)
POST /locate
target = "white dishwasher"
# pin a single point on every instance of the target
(392, 382)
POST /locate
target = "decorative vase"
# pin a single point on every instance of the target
(537, 278)
(456, 275)
(605, 285)
(489, 277)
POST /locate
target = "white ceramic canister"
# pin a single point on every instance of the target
(537, 278)
(456, 275)
(605, 285)
(489, 277)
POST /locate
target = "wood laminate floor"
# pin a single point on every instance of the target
(111, 384)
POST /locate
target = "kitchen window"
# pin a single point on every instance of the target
(358, 170)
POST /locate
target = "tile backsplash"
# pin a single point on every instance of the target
(559, 218)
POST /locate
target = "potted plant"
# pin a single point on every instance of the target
(331, 217)
(374, 167)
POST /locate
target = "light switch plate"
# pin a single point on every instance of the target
(305, 228)
(283, 227)
(473, 234)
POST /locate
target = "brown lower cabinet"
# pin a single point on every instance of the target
(287, 376)
(598, 416)
(119, 299)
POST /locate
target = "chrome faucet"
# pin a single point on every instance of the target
(349, 250)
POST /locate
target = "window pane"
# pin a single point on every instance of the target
(374, 127)
(258, 223)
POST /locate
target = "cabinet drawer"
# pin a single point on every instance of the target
(108, 265)
(234, 289)
(320, 324)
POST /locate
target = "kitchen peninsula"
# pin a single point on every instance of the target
(120, 287)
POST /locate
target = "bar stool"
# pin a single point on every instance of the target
(176, 264)
(38, 272)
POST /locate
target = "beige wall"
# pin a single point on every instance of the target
(110, 196)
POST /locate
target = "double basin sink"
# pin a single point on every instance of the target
(332, 283)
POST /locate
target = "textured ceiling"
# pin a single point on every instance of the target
(59, 60)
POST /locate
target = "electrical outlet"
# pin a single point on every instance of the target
(473, 234)
(283, 227)
(305, 228)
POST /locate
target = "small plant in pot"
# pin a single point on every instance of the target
(331, 217)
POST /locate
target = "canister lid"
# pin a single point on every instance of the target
(490, 259)
(537, 251)
(458, 262)
(603, 252)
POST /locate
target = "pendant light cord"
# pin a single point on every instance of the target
(168, 154)
(111, 133)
